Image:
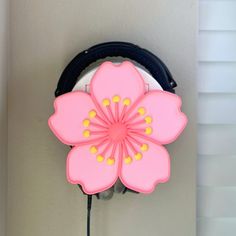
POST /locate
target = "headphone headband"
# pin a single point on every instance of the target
(147, 59)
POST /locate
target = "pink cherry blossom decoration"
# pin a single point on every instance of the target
(117, 130)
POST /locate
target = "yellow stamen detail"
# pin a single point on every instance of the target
(138, 156)
(141, 111)
(86, 133)
(106, 102)
(116, 99)
(126, 101)
(144, 147)
(93, 149)
(148, 130)
(92, 113)
(86, 123)
(100, 158)
(148, 119)
(110, 161)
(128, 160)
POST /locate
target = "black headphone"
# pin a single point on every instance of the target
(148, 60)
(84, 59)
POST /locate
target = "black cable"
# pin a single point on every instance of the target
(89, 206)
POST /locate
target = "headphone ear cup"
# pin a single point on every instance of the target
(119, 187)
(106, 195)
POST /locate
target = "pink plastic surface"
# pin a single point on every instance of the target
(118, 130)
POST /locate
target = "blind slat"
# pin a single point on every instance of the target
(217, 46)
(216, 170)
(217, 15)
(216, 202)
(217, 108)
(217, 77)
(217, 139)
(216, 227)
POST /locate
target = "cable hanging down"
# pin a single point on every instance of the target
(89, 206)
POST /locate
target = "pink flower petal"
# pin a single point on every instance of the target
(123, 80)
(84, 169)
(167, 119)
(70, 111)
(143, 175)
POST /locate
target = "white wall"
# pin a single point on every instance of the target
(3, 112)
(45, 35)
(217, 119)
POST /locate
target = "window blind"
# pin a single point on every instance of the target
(216, 206)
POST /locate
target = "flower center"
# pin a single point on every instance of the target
(117, 132)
